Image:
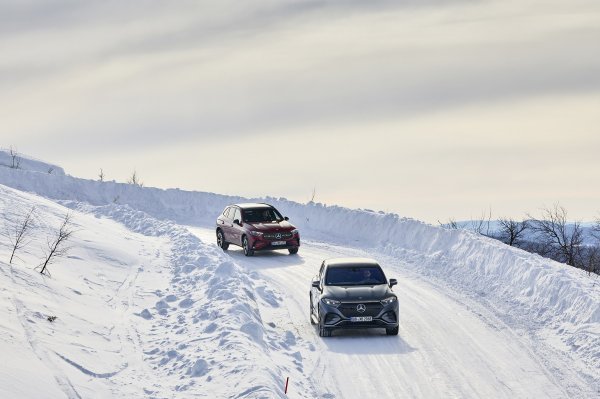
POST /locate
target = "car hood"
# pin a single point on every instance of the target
(284, 225)
(358, 293)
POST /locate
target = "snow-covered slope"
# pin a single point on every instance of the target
(557, 306)
(144, 309)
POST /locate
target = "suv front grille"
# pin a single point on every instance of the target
(349, 309)
(278, 236)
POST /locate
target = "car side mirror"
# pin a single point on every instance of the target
(237, 221)
(316, 284)
(286, 218)
(393, 282)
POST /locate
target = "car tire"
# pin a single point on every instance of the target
(224, 245)
(323, 331)
(392, 331)
(247, 250)
(293, 251)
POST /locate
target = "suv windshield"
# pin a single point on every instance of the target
(261, 215)
(354, 275)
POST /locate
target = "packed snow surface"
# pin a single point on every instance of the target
(147, 305)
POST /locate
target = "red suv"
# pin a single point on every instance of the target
(256, 227)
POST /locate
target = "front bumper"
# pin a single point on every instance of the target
(261, 244)
(341, 316)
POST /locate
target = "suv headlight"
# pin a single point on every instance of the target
(256, 233)
(330, 302)
(389, 300)
(295, 231)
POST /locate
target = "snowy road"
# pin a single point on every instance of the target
(448, 346)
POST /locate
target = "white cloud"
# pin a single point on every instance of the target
(87, 82)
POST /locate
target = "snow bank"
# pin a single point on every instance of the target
(27, 163)
(207, 328)
(561, 300)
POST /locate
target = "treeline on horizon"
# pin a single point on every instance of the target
(551, 235)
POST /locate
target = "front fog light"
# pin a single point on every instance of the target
(390, 317)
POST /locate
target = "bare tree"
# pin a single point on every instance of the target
(314, 193)
(482, 225)
(101, 175)
(591, 259)
(135, 180)
(56, 246)
(596, 230)
(511, 230)
(15, 159)
(18, 232)
(562, 240)
(452, 224)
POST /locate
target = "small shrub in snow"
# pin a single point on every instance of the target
(135, 180)
(18, 231)
(56, 246)
(15, 159)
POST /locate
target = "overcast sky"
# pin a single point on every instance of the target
(429, 109)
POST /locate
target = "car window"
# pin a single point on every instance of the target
(226, 212)
(236, 214)
(261, 215)
(355, 275)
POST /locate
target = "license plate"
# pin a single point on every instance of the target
(362, 318)
(278, 243)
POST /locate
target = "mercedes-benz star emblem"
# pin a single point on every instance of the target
(278, 235)
(361, 308)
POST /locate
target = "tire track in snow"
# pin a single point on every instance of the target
(87, 371)
(131, 348)
(41, 353)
